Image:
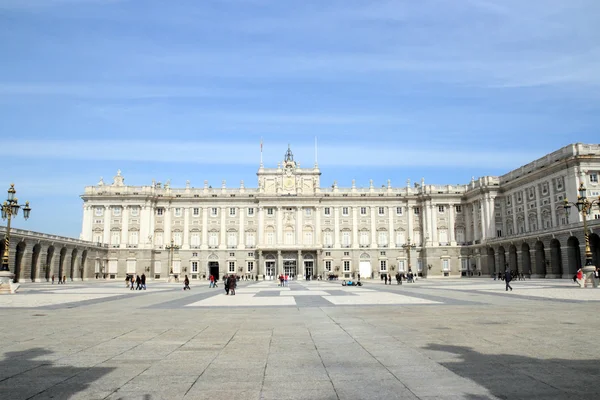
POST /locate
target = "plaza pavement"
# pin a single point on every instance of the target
(434, 339)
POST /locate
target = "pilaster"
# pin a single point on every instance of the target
(106, 232)
(336, 227)
(124, 227)
(186, 228)
(391, 239)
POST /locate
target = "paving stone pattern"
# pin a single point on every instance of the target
(455, 339)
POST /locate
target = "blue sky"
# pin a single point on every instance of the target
(184, 90)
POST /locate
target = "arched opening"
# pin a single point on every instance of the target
(555, 258)
(83, 263)
(1, 248)
(19, 260)
(35, 259)
(525, 259)
(501, 260)
(573, 255)
(73, 264)
(595, 248)
(61, 263)
(513, 264)
(49, 262)
(491, 261)
(540, 260)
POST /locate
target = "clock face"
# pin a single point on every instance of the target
(288, 183)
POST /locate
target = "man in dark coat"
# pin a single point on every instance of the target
(507, 279)
(144, 281)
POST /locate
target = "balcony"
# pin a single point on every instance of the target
(327, 246)
(132, 246)
(213, 247)
(364, 246)
(346, 246)
(115, 246)
(383, 245)
(250, 246)
(195, 246)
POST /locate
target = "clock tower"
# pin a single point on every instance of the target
(288, 179)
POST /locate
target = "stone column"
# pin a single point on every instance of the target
(186, 228)
(106, 232)
(425, 224)
(279, 266)
(223, 229)
(336, 227)
(242, 238)
(299, 226)
(434, 233)
(355, 243)
(300, 266)
(260, 262)
(475, 221)
(451, 233)
(317, 237)
(552, 203)
(124, 227)
(514, 212)
(373, 228)
(491, 217)
(525, 211)
(279, 225)
(168, 226)
(538, 208)
(204, 212)
(409, 223)
(391, 239)
(484, 218)
(261, 226)
(144, 226)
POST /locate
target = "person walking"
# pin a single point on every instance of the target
(53, 279)
(232, 284)
(212, 281)
(64, 279)
(138, 282)
(385, 279)
(143, 281)
(226, 283)
(507, 279)
(186, 283)
(399, 278)
(578, 277)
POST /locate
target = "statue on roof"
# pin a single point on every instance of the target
(289, 156)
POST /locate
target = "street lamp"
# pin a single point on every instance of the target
(171, 249)
(407, 247)
(10, 207)
(584, 206)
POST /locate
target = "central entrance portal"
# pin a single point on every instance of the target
(309, 269)
(289, 268)
(270, 269)
(213, 269)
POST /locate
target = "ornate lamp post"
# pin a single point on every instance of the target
(584, 206)
(408, 246)
(172, 249)
(10, 207)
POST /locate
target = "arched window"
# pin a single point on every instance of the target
(327, 238)
(308, 235)
(270, 235)
(346, 241)
(232, 239)
(289, 235)
(364, 238)
(382, 238)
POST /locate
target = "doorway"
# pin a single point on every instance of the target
(289, 268)
(308, 269)
(213, 269)
(270, 270)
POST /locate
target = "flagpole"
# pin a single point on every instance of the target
(261, 155)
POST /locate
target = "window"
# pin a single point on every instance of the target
(499, 233)
(383, 265)
(117, 211)
(231, 254)
(363, 211)
(458, 208)
(307, 212)
(270, 211)
(98, 221)
(327, 254)
(231, 266)
(398, 210)
(195, 239)
(251, 254)
(345, 211)
(157, 267)
(135, 211)
(133, 238)
(213, 239)
(250, 239)
(160, 211)
(381, 210)
(382, 253)
(446, 265)
(99, 211)
(441, 209)
(250, 212)
(328, 266)
(289, 236)
(115, 238)
(383, 239)
(346, 266)
(401, 266)
(232, 211)
(158, 238)
(194, 266)
(346, 238)
(98, 238)
(196, 212)
(308, 237)
(417, 210)
(346, 254)
(327, 240)
(270, 237)
(194, 254)
(231, 239)
(214, 211)
(594, 177)
(364, 238)
(249, 266)
(178, 212)
(327, 211)
(177, 238)
(131, 266)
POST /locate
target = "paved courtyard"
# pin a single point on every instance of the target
(434, 339)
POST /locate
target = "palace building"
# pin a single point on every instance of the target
(290, 224)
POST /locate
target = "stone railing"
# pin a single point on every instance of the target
(50, 237)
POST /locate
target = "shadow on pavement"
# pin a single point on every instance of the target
(30, 374)
(510, 376)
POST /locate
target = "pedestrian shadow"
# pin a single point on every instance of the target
(509, 376)
(30, 374)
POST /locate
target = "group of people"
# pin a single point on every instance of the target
(230, 284)
(283, 280)
(578, 278)
(501, 275)
(387, 280)
(137, 283)
(62, 280)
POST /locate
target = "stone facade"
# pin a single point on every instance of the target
(35, 257)
(289, 223)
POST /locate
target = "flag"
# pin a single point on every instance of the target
(261, 144)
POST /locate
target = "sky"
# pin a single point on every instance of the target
(443, 90)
